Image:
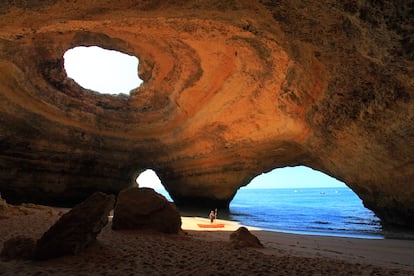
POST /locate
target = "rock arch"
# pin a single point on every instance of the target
(230, 90)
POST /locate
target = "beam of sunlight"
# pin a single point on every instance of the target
(101, 70)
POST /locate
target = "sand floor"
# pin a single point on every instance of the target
(198, 251)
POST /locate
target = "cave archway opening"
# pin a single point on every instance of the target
(302, 200)
(101, 70)
(149, 178)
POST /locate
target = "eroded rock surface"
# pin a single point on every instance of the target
(231, 89)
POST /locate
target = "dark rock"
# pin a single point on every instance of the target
(3, 209)
(18, 248)
(243, 238)
(76, 229)
(144, 209)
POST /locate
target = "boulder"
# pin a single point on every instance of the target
(243, 238)
(145, 209)
(76, 229)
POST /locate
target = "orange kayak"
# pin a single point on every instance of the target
(211, 225)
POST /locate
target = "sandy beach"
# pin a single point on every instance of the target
(201, 251)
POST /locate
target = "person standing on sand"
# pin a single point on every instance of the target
(212, 216)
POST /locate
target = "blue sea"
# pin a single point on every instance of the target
(321, 211)
(314, 211)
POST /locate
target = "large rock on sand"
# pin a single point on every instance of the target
(144, 209)
(76, 229)
(243, 238)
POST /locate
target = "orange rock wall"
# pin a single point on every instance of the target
(230, 90)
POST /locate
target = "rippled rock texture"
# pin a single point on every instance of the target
(231, 89)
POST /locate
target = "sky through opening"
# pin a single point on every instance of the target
(150, 179)
(101, 70)
(299, 177)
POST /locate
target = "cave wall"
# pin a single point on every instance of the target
(230, 90)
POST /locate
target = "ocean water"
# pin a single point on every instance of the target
(320, 211)
(317, 211)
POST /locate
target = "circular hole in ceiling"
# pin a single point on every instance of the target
(101, 70)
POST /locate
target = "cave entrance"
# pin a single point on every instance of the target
(101, 70)
(149, 178)
(302, 200)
